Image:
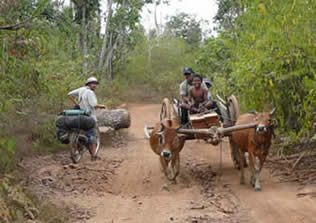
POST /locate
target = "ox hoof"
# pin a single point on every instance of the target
(257, 189)
(236, 165)
(165, 187)
(252, 181)
(242, 181)
(174, 181)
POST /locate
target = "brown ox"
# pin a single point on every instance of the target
(255, 141)
(167, 143)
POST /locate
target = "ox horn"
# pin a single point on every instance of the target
(162, 127)
(180, 127)
(273, 110)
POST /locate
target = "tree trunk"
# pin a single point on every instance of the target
(156, 21)
(98, 28)
(105, 38)
(149, 52)
(117, 119)
(73, 10)
(84, 37)
(109, 61)
(122, 38)
(110, 56)
(123, 53)
(77, 42)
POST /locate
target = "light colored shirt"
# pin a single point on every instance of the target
(185, 86)
(209, 95)
(87, 99)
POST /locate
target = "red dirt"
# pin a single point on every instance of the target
(125, 185)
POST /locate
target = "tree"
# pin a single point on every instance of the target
(269, 60)
(85, 11)
(227, 13)
(105, 38)
(214, 61)
(186, 27)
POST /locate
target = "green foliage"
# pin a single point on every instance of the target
(228, 11)
(16, 205)
(12, 195)
(40, 63)
(7, 151)
(269, 60)
(114, 93)
(213, 59)
(157, 64)
(186, 27)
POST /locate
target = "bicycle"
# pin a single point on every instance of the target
(80, 138)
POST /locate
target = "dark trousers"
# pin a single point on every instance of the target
(217, 110)
(184, 116)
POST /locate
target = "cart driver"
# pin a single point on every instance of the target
(202, 102)
(187, 84)
(184, 92)
(198, 96)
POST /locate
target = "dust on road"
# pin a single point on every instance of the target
(125, 186)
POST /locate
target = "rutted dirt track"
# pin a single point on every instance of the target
(125, 186)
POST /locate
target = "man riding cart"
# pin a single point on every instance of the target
(195, 96)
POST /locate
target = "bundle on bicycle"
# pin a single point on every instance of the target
(77, 127)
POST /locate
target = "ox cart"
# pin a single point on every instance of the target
(207, 125)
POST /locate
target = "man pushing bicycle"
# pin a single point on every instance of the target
(87, 100)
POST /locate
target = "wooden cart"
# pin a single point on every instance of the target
(207, 126)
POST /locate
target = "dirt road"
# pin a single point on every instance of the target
(125, 186)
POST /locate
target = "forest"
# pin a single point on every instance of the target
(263, 51)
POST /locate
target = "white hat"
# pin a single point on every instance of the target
(92, 80)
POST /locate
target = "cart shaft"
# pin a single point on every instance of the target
(219, 130)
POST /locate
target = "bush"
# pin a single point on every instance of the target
(268, 61)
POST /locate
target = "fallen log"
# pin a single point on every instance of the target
(116, 119)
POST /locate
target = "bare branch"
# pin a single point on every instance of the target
(16, 26)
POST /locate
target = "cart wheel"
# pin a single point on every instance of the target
(233, 108)
(233, 112)
(165, 109)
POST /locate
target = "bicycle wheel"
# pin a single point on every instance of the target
(98, 141)
(76, 155)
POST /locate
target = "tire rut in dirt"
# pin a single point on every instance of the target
(60, 175)
(51, 177)
(222, 204)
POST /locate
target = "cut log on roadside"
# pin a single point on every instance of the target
(116, 119)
